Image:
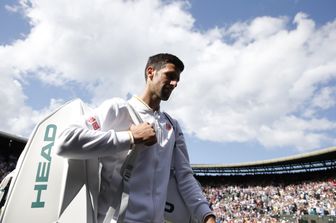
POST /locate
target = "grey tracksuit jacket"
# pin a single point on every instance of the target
(104, 134)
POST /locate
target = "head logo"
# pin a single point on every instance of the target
(43, 168)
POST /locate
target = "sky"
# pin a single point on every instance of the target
(259, 81)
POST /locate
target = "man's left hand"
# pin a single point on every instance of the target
(210, 219)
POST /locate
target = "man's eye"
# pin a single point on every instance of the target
(172, 77)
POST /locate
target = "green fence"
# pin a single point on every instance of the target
(308, 219)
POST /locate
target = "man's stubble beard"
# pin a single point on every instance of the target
(164, 96)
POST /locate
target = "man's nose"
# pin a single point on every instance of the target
(173, 83)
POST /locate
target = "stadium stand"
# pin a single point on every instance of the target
(299, 188)
(11, 148)
(324, 159)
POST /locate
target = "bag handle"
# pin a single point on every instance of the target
(4, 183)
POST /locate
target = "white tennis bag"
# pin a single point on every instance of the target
(176, 210)
(38, 190)
(46, 188)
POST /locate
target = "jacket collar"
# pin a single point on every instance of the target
(140, 105)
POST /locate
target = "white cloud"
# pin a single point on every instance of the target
(11, 8)
(257, 29)
(256, 80)
(16, 116)
(325, 98)
(303, 134)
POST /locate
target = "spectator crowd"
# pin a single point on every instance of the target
(6, 166)
(251, 202)
(236, 203)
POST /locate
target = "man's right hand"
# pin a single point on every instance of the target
(143, 133)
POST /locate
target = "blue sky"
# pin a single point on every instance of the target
(259, 80)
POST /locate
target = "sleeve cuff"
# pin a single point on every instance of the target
(125, 139)
(132, 140)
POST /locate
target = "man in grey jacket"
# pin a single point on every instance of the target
(109, 131)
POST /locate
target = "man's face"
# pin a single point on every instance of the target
(165, 80)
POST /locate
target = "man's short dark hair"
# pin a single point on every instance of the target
(160, 60)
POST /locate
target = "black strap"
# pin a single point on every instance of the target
(170, 119)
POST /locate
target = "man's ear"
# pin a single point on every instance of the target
(150, 72)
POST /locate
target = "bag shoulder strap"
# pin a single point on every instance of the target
(128, 164)
(134, 114)
(126, 172)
